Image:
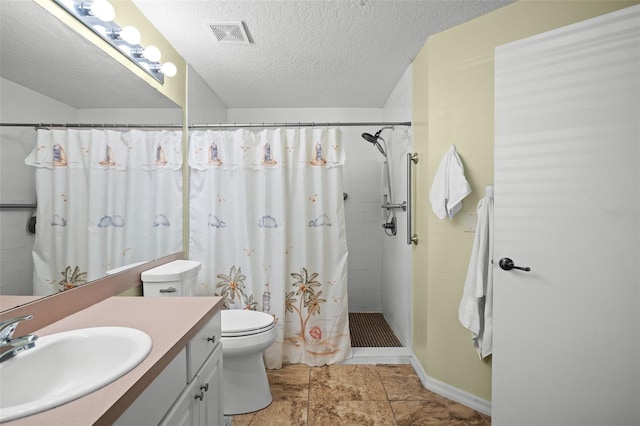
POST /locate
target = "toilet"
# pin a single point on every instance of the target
(245, 336)
(176, 278)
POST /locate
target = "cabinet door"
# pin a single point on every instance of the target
(202, 345)
(186, 410)
(210, 378)
(151, 405)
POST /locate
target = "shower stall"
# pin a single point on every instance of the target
(376, 221)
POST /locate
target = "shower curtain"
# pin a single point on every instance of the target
(267, 221)
(105, 199)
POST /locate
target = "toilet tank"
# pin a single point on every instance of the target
(177, 278)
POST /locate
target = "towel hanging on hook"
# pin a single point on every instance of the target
(475, 311)
(449, 186)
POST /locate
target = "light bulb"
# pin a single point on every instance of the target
(130, 34)
(152, 53)
(168, 69)
(100, 29)
(103, 10)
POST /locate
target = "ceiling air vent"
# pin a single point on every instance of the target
(231, 32)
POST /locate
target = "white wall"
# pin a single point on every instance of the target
(19, 104)
(203, 105)
(363, 184)
(130, 115)
(395, 291)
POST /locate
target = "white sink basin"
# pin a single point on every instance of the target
(66, 366)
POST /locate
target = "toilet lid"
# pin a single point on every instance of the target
(240, 322)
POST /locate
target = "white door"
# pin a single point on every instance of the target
(567, 190)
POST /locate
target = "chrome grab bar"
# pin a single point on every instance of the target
(389, 206)
(411, 237)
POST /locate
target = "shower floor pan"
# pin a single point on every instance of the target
(371, 330)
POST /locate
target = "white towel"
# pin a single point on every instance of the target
(449, 186)
(476, 307)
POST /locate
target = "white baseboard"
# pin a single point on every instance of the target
(448, 391)
(379, 356)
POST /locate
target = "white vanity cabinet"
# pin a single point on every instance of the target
(194, 397)
(201, 401)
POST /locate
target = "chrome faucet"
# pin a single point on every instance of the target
(9, 345)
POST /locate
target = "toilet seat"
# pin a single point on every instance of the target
(240, 322)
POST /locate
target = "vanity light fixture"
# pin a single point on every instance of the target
(150, 52)
(101, 9)
(99, 16)
(129, 34)
(168, 69)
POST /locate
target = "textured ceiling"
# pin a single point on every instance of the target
(40, 52)
(307, 53)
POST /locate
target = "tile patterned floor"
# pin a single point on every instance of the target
(356, 395)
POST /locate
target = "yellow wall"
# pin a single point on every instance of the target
(453, 104)
(175, 88)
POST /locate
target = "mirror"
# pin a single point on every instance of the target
(51, 74)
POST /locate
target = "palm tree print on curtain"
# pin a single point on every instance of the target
(308, 305)
(72, 278)
(302, 303)
(232, 287)
(267, 222)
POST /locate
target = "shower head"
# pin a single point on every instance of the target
(370, 138)
(375, 139)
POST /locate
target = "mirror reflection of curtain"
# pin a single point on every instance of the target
(267, 221)
(105, 199)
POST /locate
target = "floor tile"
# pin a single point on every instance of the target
(354, 382)
(351, 413)
(401, 383)
(356, 395)
(415, 413)
(289, 382)
(279, 413)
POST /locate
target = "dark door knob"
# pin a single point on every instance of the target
(507, 265)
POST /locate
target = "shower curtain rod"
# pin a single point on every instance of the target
(204, 126)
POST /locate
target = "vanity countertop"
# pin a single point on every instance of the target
(171, 323)
(9, 302)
